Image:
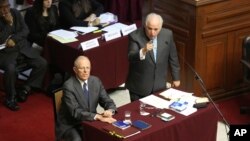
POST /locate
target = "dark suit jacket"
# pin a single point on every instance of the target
(68, 19)
(146, 76)
(40, 26)
(17, 32)
(74, 108)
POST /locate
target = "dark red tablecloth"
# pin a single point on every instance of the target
(109, 61)
(199, 126)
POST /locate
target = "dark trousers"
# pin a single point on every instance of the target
(73, 134)
(38, 65)
(134, 96)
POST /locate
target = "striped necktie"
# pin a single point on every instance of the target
(86, 92)
(155, 48)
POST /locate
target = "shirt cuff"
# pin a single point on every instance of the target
(142, 56)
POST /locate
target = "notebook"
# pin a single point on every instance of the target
(121, 124)
(141, 125)
(119, 133)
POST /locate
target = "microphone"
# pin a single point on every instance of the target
(201, 83)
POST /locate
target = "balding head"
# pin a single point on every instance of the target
(82, 67)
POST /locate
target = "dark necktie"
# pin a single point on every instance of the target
(86, 92)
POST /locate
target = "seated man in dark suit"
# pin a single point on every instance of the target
(13, 33)
(81, 95)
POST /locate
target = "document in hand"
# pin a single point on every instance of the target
(119, 133)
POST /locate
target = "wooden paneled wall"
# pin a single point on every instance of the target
(208, 35)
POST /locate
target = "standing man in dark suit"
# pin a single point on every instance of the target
(81, 95)
(13, 34)
(151, 50)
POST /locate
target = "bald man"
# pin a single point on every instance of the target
(151, 51)
(76, 107)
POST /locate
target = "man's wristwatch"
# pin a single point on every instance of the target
(113, 111)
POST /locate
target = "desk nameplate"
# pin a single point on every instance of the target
(89, 44)
(125, 31)
(112, 35)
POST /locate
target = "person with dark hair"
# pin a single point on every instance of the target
(81, 95)
(151, 51)
(79, 12)
(41, 19)
(13, 34)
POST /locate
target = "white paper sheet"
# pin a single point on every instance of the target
(174, 94)
(108, 18)
(61, 33)
(155, 101)
(114, 27)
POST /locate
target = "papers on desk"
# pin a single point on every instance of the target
(175, 96)
(114, 27)
(63, 36)
(84, 30)
(108, 18)
(156, 101)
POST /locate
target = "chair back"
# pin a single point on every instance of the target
(246, 49)
(57, 100)
(246, 58)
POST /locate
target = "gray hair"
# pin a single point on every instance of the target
(80, 58)
(153, 15)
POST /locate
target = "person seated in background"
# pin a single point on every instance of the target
(13, 36)
(81, 95)
(41, 19)
(79, 13)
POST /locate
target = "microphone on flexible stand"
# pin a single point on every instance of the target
(201, 83)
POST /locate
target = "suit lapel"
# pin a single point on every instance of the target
(146, 40)
(91, 92)
(161, 44)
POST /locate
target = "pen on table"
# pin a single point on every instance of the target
(97, 31)
(78, 32)
(118, 136)
(106, 24)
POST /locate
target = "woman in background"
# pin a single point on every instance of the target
(79, 12)
(41, 19)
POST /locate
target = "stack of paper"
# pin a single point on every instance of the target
(63, 36)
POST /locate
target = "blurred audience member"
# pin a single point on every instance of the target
(79, 12)
(13, 34)
(41, 19)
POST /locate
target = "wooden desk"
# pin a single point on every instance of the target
(199, 126)
(109, 61)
